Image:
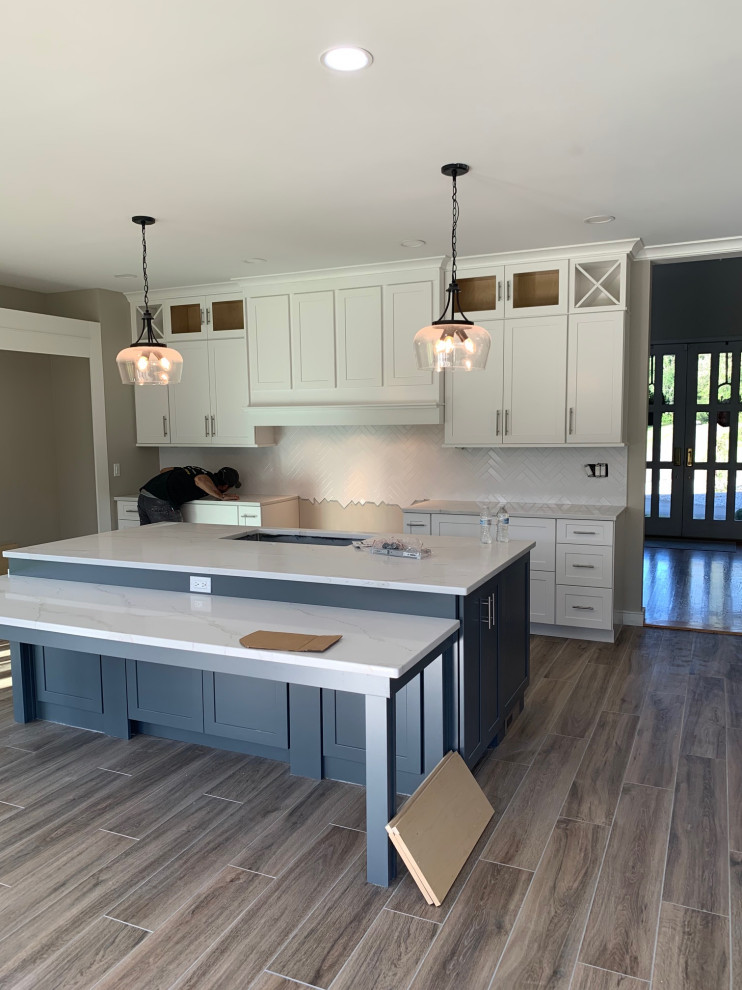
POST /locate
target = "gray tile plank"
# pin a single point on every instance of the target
(697, 868)
(692, 950)
(243, 952)
(609, 653)
(471, 941)
(570, 661)
(499, 781)
(596, 788)
(734, 771)
(242, 783)
(735, 884)
(581, 710)
(628, 688)
(654, 757)
(525, 736)
(269, 981)
(321, 946)
(621, 927)
(543, 947)
(87, 959)
(388, 956)
(544, 651)
(523, 831)
(705, 718)
(589, 978)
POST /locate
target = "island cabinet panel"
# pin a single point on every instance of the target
(344, 730)
(165, 695)
(246, 708)
(64, 677)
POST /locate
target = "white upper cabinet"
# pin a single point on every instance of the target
(269, 342)
(482, 294)
(408, 307)
(595, 382)
(198, 317)
(358, 335)
(190, 401)
(228, 385)
(151, 404)
(535, 380)
(313, 339)
(599, 284)
(538, 289)
(474, 398)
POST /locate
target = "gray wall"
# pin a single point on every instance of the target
(696, 300)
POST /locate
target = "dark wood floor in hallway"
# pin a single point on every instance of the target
(613, 861)
(693, 588)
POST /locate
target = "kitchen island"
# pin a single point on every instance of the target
(482, 590)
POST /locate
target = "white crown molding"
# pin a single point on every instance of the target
(580, 252)
(717, 247)
(317, 274)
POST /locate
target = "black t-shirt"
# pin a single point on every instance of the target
(177, 485)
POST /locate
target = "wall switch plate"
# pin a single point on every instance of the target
(202, 584)
(599, 470)
(117, 470)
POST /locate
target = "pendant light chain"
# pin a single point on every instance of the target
(455, 220)
(144, 267)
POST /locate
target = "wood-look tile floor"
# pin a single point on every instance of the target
(613, 862)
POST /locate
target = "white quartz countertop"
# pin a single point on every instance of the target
(550, 510)
(456, 566)
(244, 499)
(375, 643)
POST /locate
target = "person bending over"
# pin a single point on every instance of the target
(160, 500)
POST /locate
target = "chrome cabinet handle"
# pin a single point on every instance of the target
(206, 426)
(571, 421)
(202, 316)
(499, 290)
(585, 532)
(497, 424)
(164, 426)
(208, 315)
(507, 422)
(584, 608)
(509, 287)
(213, 426)
(590, 567)
(411, 524)
(134, 511)
(490, 610)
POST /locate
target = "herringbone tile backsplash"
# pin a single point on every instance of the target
(399, 465)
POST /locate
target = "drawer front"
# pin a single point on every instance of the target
(453, 524)
(591, 567)
(249, 515)
(417, 523)
(590, 608)
(543, 531)
(128, 523)
(223, 513)
(543, 592)
(585, 531)
(128, 510)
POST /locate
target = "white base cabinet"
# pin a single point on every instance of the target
(281, 514)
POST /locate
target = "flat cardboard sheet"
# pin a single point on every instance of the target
(438, 827)
(262, 639)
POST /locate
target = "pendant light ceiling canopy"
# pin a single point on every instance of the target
(450, 341)
(148, 361)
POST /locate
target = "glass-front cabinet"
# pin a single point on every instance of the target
(536, 289)
(198, 317)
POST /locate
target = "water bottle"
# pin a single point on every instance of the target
(485, 522)
(503, 526)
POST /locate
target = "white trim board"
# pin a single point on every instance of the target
(35, 333)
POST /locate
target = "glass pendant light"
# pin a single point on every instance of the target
(450, 342)
(148, 361)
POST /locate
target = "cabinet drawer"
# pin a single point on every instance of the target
(454, 524)
(588, 566)
(591, 608)
(543, 590)
(223, 513)
(127, 510)
(129, 523)
(417, 523)
(543, 532)
(585, 531)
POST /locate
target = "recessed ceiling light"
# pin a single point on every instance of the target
(412, 244)
(253, 261)
(126, 275)
(346, 58)
(600, 218)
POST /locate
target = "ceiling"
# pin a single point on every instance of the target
(218, 119)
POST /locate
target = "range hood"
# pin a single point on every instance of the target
(370, 414)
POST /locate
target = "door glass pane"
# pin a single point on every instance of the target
(699, 494)
(228, 314)
(724, 389)
(739, 438)
(668, 379)
(477, 294)
(648, 492)
(723, 420)
(702, 436)
(535, 289)
(666, 437)
(665, 493)
(720, 494)
(652, 363)
(704, 373)
(738, 500)
(650, 442)
(185, 318)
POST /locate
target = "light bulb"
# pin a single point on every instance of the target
(142, 363)
(469, 345)
(164, 363)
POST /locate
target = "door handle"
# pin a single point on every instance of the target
(677, 456)
(164, 426)
(571, 421)
(206, 426)
(507, 421)
(208, 315)
(499, 290)
(213, 426)
(689, 457)
(497, 424)
(508, 290)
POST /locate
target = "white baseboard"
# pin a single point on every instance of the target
(573, 632)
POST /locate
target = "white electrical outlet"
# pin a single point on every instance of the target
(202, 584)
(117, 470)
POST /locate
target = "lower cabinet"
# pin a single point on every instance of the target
(165, 695)
(73, 680)
(245, 708)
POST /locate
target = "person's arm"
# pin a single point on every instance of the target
(165, 470)
(204, 482)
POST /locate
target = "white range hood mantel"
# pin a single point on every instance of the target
(379, 414)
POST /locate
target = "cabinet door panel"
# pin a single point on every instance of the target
(543, 533)
(513, 637)
(246, 708)
(359, 337)
(229, 392)
(474, 399)
(313, 339)
(225, 317)
(269, 343)
(417, 523)
(456, 525)
(185, 319)
(64, 677)
(536, 289)
(543, 595)
(190, 403)
(151, 405)
(535, 380)
(165, 695)
(407, 308)
(595, 378)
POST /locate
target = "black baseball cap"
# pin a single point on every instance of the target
(227, 476)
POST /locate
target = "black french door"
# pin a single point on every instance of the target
(694, 442)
